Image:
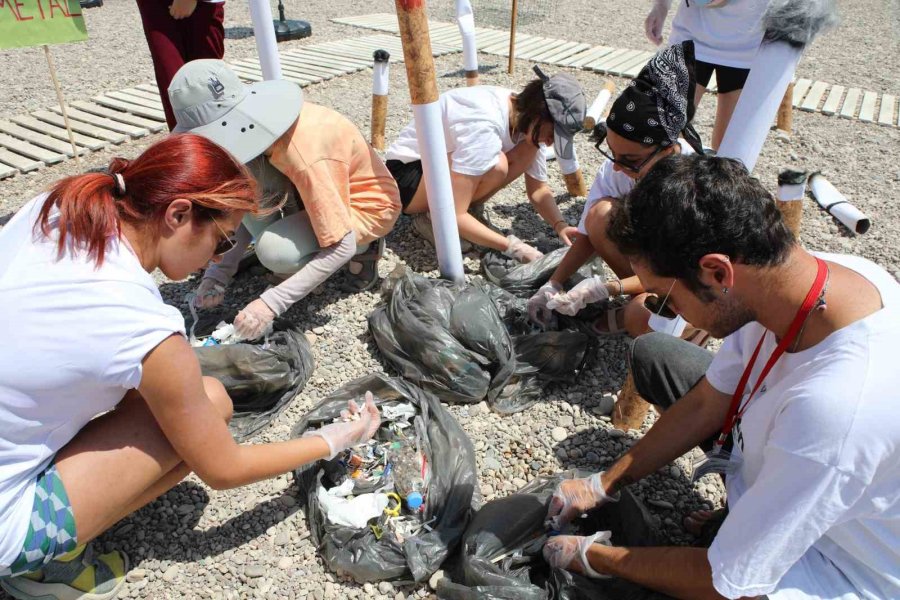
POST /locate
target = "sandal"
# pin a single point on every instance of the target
(695, 335)
(368, 274)
(611, 322)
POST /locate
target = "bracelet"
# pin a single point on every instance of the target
(557, 223)
(621, 287)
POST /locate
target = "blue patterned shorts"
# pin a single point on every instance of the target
(51, 531)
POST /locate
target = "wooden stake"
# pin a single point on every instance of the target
(575, 184)
(785, 120)
(417, 56)
(471, 78)
(62, 105)
(379, 118)
(630, 408)
(512, 36)
(792, 211)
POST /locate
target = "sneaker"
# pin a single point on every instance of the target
(421, 224)
(78, 575)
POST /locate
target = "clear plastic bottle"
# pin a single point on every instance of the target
(406, 470)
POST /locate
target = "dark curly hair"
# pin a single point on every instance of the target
(688, 206)
(531, 109)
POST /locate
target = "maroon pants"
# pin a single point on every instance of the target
(175, 42)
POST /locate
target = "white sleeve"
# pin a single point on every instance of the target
(538, 168)
(792, 503)
(477, 147)
(599, 189)
(725, 370)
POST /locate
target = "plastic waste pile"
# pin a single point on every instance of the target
(390, 509)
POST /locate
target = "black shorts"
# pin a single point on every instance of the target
(728, 79)
(408, 176)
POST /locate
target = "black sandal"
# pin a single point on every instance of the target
(367, 277)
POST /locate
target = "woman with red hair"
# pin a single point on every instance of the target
(102, 404)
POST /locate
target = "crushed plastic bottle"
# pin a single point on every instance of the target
(408, 472)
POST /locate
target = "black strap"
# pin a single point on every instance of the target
(829, 207)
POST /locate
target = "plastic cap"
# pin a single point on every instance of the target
(414, 500)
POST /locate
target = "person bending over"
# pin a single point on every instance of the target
(803, 393)
(644, 125)
(337, 200)
(493, 137)
(102, 404)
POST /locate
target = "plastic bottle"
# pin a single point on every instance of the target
(406, 465)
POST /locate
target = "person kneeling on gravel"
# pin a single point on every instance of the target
(337, 198)
(645, 124)
(102, 404)
(798, 408)
(493, 137)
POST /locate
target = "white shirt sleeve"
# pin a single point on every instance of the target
(477, 147)
(792, 503)
(725, 370)
(538, 168)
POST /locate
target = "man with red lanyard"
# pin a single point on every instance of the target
(803, 393)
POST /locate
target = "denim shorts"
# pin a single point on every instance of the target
(51, 529)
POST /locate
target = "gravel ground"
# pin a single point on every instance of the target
(252, 542)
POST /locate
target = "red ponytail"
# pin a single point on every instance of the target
(92, 206)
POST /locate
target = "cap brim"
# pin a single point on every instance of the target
(257, 121)
(563, 142)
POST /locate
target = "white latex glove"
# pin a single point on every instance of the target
(587, 292)
(656, 18)
(537, 304)
(570, 552)
(210, 293)
(521, 251)
(254, 321)
(574, 497)
(358, 426)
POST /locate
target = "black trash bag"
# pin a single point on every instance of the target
(261, 381)
(451, 456)
(524, 279)
(452, 340)
(501, 552)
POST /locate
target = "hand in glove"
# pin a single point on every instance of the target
(587, 292)
(254, 321)
(574, 497)
(521, 251)
(537, 304)
(656, 18)
(570, 552)
(358, 426)
(210, 293)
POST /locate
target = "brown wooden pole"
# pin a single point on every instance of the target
(471, 78)
(380, 88)
(417, 56)
(512, 36)
(785, 121)
(62, 105)
(379, 118)
(630, 408)
(575, 183)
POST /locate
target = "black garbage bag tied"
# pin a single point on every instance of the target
(525, 279)
(262, 377)
(454, 340)
(501, 552)
(448, 501)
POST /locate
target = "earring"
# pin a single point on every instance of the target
(725, 290)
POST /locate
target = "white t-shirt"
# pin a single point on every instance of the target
(727, 35)
(610, 183)
(75, 336)
(815, 504)
(476, 130)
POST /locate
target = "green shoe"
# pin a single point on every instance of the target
(78, 575)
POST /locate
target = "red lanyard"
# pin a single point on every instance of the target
(809, 303)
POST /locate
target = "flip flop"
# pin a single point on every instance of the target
(695, 335)
(612, 323)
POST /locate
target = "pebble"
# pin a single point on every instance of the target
(135, 575)
(170, 574)
(661, 504)
(385, 587)
(285, 562)
(254, 570)
(559, 434)
(318, 330)
(435, 578)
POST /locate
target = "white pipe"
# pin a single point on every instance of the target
(264, 33)
(595, 111)
(465, 19)
(436, 170)
(837, 205)
(770, 73)
(568, 165)
(381, 78)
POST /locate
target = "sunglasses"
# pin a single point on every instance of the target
(660, 307)
(223, 246)
(634, 168)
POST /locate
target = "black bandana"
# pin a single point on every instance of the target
(658, 105)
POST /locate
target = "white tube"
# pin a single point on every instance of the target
(381, 78)
(837, 205)
(771, 72)
(674, 327)
(789, 192)
(465, 19)
(436, 170)
(264, 33)
(595, 110)
(570, 165)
